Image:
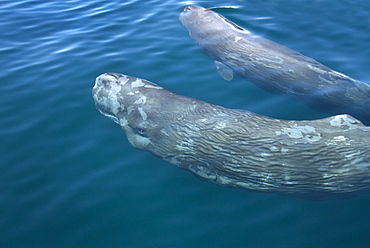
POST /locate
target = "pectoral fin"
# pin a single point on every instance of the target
(225, 72)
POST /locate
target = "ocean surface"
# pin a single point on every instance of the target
(69, 177)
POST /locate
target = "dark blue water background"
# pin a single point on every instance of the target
(69, 177)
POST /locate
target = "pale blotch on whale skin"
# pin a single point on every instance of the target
(324, 158)
(274, 67)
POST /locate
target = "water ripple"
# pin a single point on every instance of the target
(69, 176)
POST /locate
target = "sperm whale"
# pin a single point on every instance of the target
(274, 67)
(324, 158)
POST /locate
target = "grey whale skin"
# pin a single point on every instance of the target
(320, 159)
(275, 67)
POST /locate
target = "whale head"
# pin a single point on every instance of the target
(151, 116)
(131, 103)
(205, 23)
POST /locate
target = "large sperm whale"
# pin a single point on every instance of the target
(275, 67)
(324, 158)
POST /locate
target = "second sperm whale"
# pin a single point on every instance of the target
(274, 67)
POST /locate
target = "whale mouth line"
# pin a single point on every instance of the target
(109, 115)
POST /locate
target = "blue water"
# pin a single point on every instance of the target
(69, 177)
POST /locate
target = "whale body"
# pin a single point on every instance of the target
(274, 67)
(319, 159)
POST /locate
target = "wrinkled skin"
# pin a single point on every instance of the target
(323, 158)
(275, 67)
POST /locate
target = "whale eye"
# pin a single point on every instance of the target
(141, 131)
(138, 130)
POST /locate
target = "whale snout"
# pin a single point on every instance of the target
(107, 78)
(105, 94)
(188, 8)
(191, 13)
(111, 79)
(123, 98)
(113, 74)
(130, 102)
(193, 7)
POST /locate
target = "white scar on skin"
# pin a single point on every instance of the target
(238, 38)
(137, 83)
(142, 113)
(341, 120)
(307, 133)
(123, 80)
(153, 87)
(141, 100)
(123, 122)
